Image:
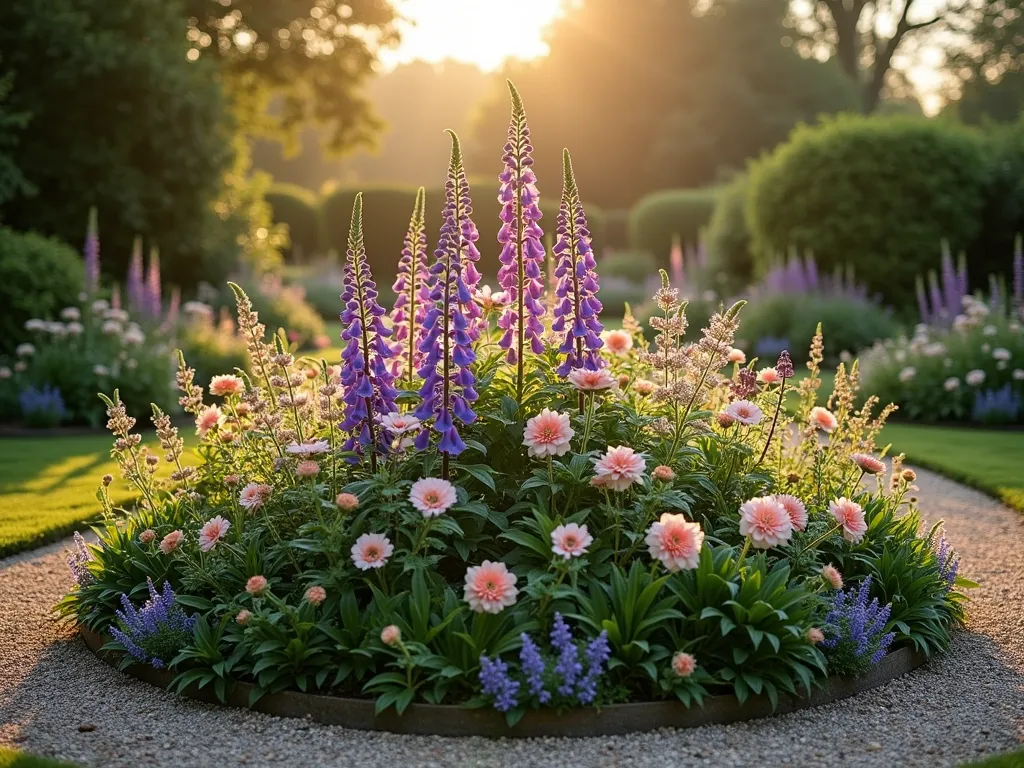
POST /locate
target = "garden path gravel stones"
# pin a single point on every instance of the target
(57, 700)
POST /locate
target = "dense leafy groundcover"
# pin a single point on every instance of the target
(494, 502)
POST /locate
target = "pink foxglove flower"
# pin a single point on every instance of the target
(215, 529)
(490, 587)
(683, 664)
(254, 495)
(207, 419)
(371, 550)
(822, 418)
(765, 521)
(617, 342)
(171, 542)
(850, 516)
(744, 411)
(256, 585)
(548, 434)
(432, 496)
(587, 380)
(619, 468)
(868, 463)
(795, 509)
(226, 384)
(832, 576)
(675, 541)
(570, 540)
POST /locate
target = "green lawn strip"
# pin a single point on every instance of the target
(1009, 760)
(989, 461)
(12, 758)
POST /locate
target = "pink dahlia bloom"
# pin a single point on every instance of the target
(619, 468)
(171, 542)
(391, 635)
(591, 381)
(548, 434)
(215, 529)
(432, 496)
(675, 542)
(226, 384)
(795, 509)
(868, 463)
(832, 576)
(744, 411)
(207, 419)
(306, 469)
(316, 595)
(617, 342)
(243, 617)
(663, 473)
(148, 536)
(347, 502)
(256, 585)
(643, 387)
(822, 418)
(850, 515)
(815, 635)
(315, 448)
(768, 376)
(683, 664)
(254, 495)
(765, 521)
(371, 550)
(398, 423)
(490, 587)
(570, 540)
(736, 356)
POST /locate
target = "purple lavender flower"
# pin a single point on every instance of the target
(532, 665)
(578, 308)
(412, 295)
(366, 377)
(522, 255)
(156, 632)
(496, 683)
(997, 406)
(448, 383)
(596, 655)
(77, 560)
(568, 666)
(949, 563)
(855, 634)
(153, 302)
(134, 285)
(92, 253)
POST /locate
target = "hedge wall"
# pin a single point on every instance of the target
(299, 208)
(658, 217)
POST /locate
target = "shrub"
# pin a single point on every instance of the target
(283, 306)
(730, 263)
(634, 266)
(300, 210)
(210, 344)
(617, 224)
(879, 193)
(659, 217)
(38, 277)
(1002, 208)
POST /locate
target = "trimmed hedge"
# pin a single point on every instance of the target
(730, 264)
(39, 276)
(658, 217)
(299, 208)
(876, 192)
(617, 228)
(1002, 216)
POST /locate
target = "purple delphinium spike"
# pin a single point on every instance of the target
(412, 295)
(578, 308)
(448, 383)
(596, 654)
(935, 296)
(496, 683)
(950, 283)
(134, 284)
(1018, 273)
(92, 253)
(532, 664)
(154, 301)
(366, 375)
(568, 666)
(521, 275)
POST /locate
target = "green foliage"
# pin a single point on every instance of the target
(299, 209)
(282, 306)
(661, 216)
(634, 266)
(877, 193)
(39, 276)
(730, 262)
(11, 758)
(617, 222)
(12, 179)
(1002, 210)
(212, 346)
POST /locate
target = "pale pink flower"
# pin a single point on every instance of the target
(548, 434)
(347, 502)
(744, 411)
(316, 595)
(307, 468)
(815, 635)
(868, 463)
(850, 515)
(768, 376)
(232, 480)
(256, 585)
(254, 495)
(490, 587)
(207, 419)
(644, 387)
(619, 468)
(795, 509)
(243, 617)
(391, 635)
(832, 576)
(148, 536)
(489, 301)
(736, 356)
(765, 521)
(822, 418)
(315, 448)
(675, 542)
(398, 423)
(663, 473)
(617, 342)
(226, 384)
(683, 664)
(171, 542)
(215, 529)
(371, 550)
(591, 381)
(570, 540)
(725, 420)
(432, 496)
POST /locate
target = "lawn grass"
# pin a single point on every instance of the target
(1009, 760)
(12, 758)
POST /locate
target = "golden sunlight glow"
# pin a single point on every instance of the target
(481, 32)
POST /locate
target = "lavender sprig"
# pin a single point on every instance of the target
(949, 563)
(412, 295)
(78, 560)
(568, 666)
(596, 655)
(495, 682)
(532, 664)
(156, 632)
(855, 636)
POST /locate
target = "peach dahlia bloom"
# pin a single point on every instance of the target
(226, 384)
(243, 617)
(832, 576)
(644, 387)
(768, 376)
(570, 540)
(490, 587)
(822, 418)
(307, 468)
(591, 381)
(148, 536)
(850, 516)
(675, 541)
(868, 463)
(256, 585)
(736, 356)
(316, 595)
(683, 664)
(617, 342)
(663, 473)
(215, 529)
(548, 434)
(254, 495)
(432, 496)
(207, 419)
(744, 411)
(619, 468)
(766, 522)
(347, 502)
(391, 635)
(171, 542)
(371, 550)
(795, 509)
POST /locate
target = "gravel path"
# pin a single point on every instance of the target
(57, 700)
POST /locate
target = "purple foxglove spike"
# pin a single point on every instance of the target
(922, 300)
(450, 321)
(412, 296)
(92, 253)
(576, 311)
(935, 295)
(366, 376)
(134, 284)
(522, 254)
(950, 282)
(153, 302)
(811, 268)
